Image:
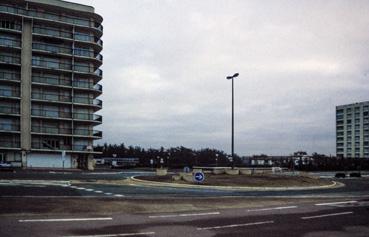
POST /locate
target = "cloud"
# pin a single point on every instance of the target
(165, 64)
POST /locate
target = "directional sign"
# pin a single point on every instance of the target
(199, 177)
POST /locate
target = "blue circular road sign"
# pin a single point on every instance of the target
(199, 177)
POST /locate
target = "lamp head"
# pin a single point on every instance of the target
(236, 74)
(229, 77)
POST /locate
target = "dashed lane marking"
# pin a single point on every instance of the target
(114, 235)
(118, 195)
(68, 219)
(335, 203)
(327, 215)
(235, 225)
(98, 191)
(272, 208)
(186, 214)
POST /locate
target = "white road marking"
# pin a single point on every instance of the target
(81, 188)
(98, 191)
(118, 195)
(186, 214)
(68, 219)
(114, 235)
(272, 208)
(89, 189)
(236, 225)
(108, 193)
(334, 203)
(327, 215)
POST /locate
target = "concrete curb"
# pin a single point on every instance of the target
(228, 188)
(35, 182)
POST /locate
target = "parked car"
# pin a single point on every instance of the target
(355, 175)
(340, 175)
(6, 167)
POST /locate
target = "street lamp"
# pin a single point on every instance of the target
(231, 78)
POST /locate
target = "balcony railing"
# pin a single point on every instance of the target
(51, 97)
(88, 132)
(51, 16)
(11, 26)
(51, 64)
(9, 144)
(9, 109)
(99, 72)
(51, 113)
(88, 117)
(10, 59)
(87, 85)
(46, 146)
(9, 93)
(51, 130)
(81, 148)
(9, 127)
(51, 80)
(52, 32)
(9, 42)
(89, 101)
(52, 48)
(4, 75)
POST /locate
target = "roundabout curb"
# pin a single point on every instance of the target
(229, 188)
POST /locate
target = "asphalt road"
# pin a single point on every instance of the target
(348, 218)
(353, 187)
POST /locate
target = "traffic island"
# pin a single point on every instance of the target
(239, 182)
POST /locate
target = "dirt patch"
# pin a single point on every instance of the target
(248, 180)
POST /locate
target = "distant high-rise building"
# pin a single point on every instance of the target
(49, 74)
(352, 130)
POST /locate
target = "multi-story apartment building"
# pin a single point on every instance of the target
(49, 74)
(352, 130)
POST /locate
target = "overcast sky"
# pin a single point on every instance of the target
(165, 64)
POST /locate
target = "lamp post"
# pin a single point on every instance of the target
(231, 78)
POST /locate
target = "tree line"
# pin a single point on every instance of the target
(179, 157)
(174, 157)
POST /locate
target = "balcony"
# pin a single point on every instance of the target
(9, 42)
(88, 132)
(99, 72)
(9, 127)
(88, 85)
(9, 93)
(51, 64)
(10, 59)
(51, 81)
(4, 143)
(87, 117)
(52, 48)
(9, 110)
(82, 148)
(9, 76)
(52, 16)
(87, 101)
(51, 113)
(13, 26)
(51, 130)
(46, 146)
(52, 32)
(51, 97)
